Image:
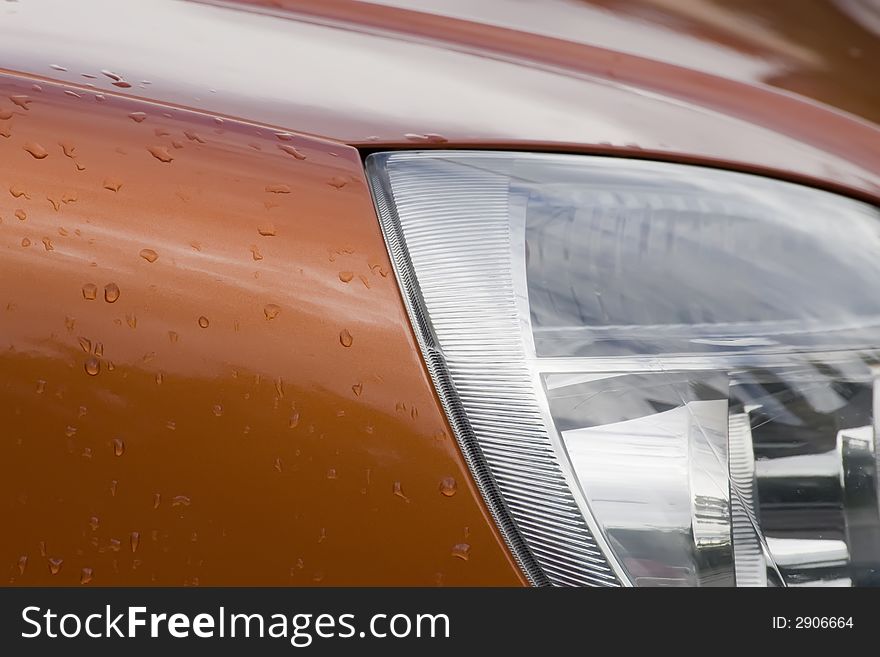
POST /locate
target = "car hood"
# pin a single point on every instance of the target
(688, 81)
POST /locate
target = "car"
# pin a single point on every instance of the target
(410, 293)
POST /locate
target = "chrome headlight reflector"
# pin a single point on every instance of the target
(659, 374)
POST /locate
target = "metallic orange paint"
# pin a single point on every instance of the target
(206, 371)
(207, 374)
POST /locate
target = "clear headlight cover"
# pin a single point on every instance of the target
(660, 374)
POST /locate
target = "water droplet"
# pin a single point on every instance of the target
(203, 321)
(180, 500)
(266, 230)
(131, 320)
(92, 366)
(122, 84)
(94, 523)
(255, 252)
(134, 540)
(160, 153)
(55, 565)
(338, 182)
(137, 117)
(331, 473)
(111, 292)
(90, 291)
(18, 191)
(278, 189)
(47, 244)
(149, 255)
(57, 67)
(69, 323)
(398, 491)
(430, 137)
(86, 344)
(21, 215)
(448, 487)
(85, 576)
(284, 136)
(72, 94)
(114, 485)
(357, 389)
(157, 500)
(345, 338)
(25, 242)
(160, 377)
(173, 337)
(279, 386)
(293, 422)
(41, 387)
(171, 425)
(271, 311)
(461, 551)
(290, 150)
(114, 545)
(113, 184)
(218, 410)
(192, 136)
(118, 447)
(43, 552)
(278, 465)
(21, 100)
(70, 432)
(346, 276)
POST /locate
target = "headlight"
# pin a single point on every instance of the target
(659, 374)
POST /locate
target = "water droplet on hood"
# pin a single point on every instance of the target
(36, 150)
(278, 189)
(118, 447)
(193, 136)
(345, 338)
(290, 150)
(448, 487)
(461, 551)
(160, 153)
(112, 184)
(90, 291)
(149, 255)
(92, 366)
(55, 565)
(203, 321)
(21, 100)
(398, 491)
(271, 311)
(85, 576)
(111, 292)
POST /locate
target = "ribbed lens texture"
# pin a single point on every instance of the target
(457, 235)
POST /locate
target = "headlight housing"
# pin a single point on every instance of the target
(659, 374)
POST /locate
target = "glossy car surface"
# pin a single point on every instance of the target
(207, 374)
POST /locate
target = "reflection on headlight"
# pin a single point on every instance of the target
(662, 375)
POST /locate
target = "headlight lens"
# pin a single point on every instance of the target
(659, 374)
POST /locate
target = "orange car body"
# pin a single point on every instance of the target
(207, 374)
